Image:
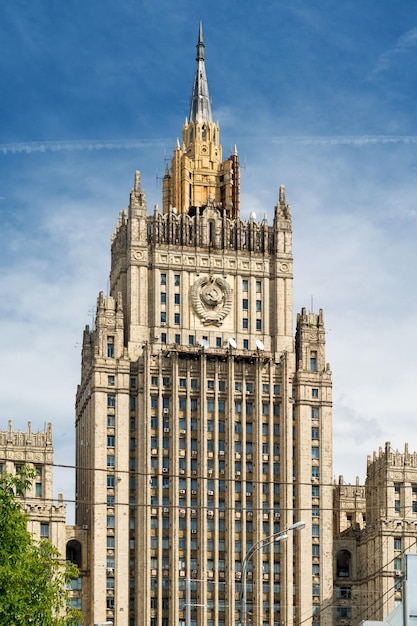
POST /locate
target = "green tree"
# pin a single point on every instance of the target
(33, 576)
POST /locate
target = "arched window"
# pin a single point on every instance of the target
(73, 552)
(204, 132)
(343, 559)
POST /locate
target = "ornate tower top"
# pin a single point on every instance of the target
(197, 175)
(200, 101)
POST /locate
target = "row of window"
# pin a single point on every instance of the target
(177, 322)
(397, 489)
(177, 298)
(397, 506)
(245, 283)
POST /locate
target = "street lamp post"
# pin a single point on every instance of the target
(258, 545)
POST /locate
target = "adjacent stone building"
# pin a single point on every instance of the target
(46, 515)
(375, 526)
(203, 425)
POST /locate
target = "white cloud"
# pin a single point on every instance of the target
(406, 41)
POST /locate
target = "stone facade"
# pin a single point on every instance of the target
(203, 426)
(46, 516)
(376, 525)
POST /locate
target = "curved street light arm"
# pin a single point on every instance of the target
(258, 545)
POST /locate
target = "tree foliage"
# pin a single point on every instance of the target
(33, 576)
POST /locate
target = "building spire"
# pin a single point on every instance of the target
(200, 110)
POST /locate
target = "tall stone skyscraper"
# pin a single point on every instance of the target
(203, 427)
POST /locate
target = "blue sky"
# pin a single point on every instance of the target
(319, 96)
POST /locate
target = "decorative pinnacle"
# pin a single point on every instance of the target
(200, 110)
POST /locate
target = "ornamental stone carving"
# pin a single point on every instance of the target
(211, 297)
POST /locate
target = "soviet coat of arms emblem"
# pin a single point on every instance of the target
(211, 297)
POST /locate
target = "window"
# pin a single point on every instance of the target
(258, 286)
(344, 592)
(315, 452)
(110, 441)
(177, 280)
(44, 529)
(258, 305)
(110, 347)
(222, 385)
(163, 297)
(194, 383)
(111, 400)
(110, 460)
(163, 279)
(38, 489)
(218, 342)
(245, 323)
(315, 471)
(314, 393)
(315, 491)
(315, 569)
(183, 382)
(166, 381)
(163, 317)
(258, 324)
(246, 344)
(177, 318)
(315, 549)
(314, 413)
(110, 480)
(344, 612)
(398, 563)
(245, 304)
(110, 380)
(177, 298)
(397, 506)
(315, 530)
(177, 339)
(397, 543)
(163, 337)
(414, 506)
(245, 285)
(314, 432)
(110, 500)
(313, 361)
(191, 340)
(110, 421)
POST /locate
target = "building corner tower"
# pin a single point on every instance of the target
(202, 427)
